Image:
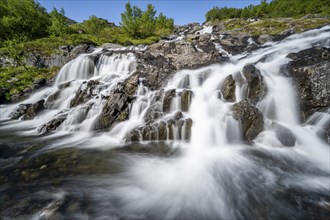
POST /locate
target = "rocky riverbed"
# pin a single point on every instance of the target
(237, 123)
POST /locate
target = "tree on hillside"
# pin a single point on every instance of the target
(273, 9)
(142, 24)
(59, 23)
(95, 25)
(23, 20)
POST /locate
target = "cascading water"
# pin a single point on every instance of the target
(216, 174)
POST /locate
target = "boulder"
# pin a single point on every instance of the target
(53, 124)
(162, 131)
(22, 108)
(310, 72)
(256, 88)
(228, 89)
(167, 100)
(133, 136)
(188, 124)
(250, 117)
(85, 93)
(115, 110)
(186, 96)
(33, 110)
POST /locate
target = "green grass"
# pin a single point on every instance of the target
(16, 79)
(310, 23)
(271, 26)
(268, 26)
(50, 45)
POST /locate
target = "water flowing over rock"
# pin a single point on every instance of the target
(255, 86)
(310, 72)
(284, 135)
(228, 89)
(250, 117)
(115, 110)
(181, 129)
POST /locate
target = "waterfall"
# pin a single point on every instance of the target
(219, 168)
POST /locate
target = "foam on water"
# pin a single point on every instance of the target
(216, 175)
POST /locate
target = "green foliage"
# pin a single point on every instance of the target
(16, 79)
(273, 9)
(22, 20)
(94, 25)
(140, 24)
(59, 23)
(15, 50)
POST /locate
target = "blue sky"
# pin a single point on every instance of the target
(182, 11)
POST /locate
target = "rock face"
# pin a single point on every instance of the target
(310, 72)
(67, 53)
(115, 110)
(250, 118)
(165, 58)
(255, 85)
(84, 94)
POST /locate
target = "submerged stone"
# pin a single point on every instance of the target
(284, 135)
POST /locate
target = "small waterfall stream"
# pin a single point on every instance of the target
(216, 175)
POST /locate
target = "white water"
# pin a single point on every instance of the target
(214, 170)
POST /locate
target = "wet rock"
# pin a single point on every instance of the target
(149, 133)
(133, 136)
(152, 115)
(53, 124)
(64, 85)
(228, 89)
(81, 48)
(33, 110)
(170, 124)
(167, 101)
(256, 88)
(162, 131)
(115, 110)
(186, 96)
(22, 108)
(39, 83)
(234, 43)
(188, 124)
(131, 85)
(250, 118)
(85, 94)
(265, 38)
(310, 72)
(179, 124)
(284, 135)
(178, 116)
(205, 44)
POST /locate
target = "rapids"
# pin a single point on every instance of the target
(212, 175)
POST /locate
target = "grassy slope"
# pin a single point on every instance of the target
(272, 26)
(16, 79)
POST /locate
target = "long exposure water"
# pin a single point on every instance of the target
(212, 175)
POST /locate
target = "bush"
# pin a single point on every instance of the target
(140, 24)
(16, 79)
